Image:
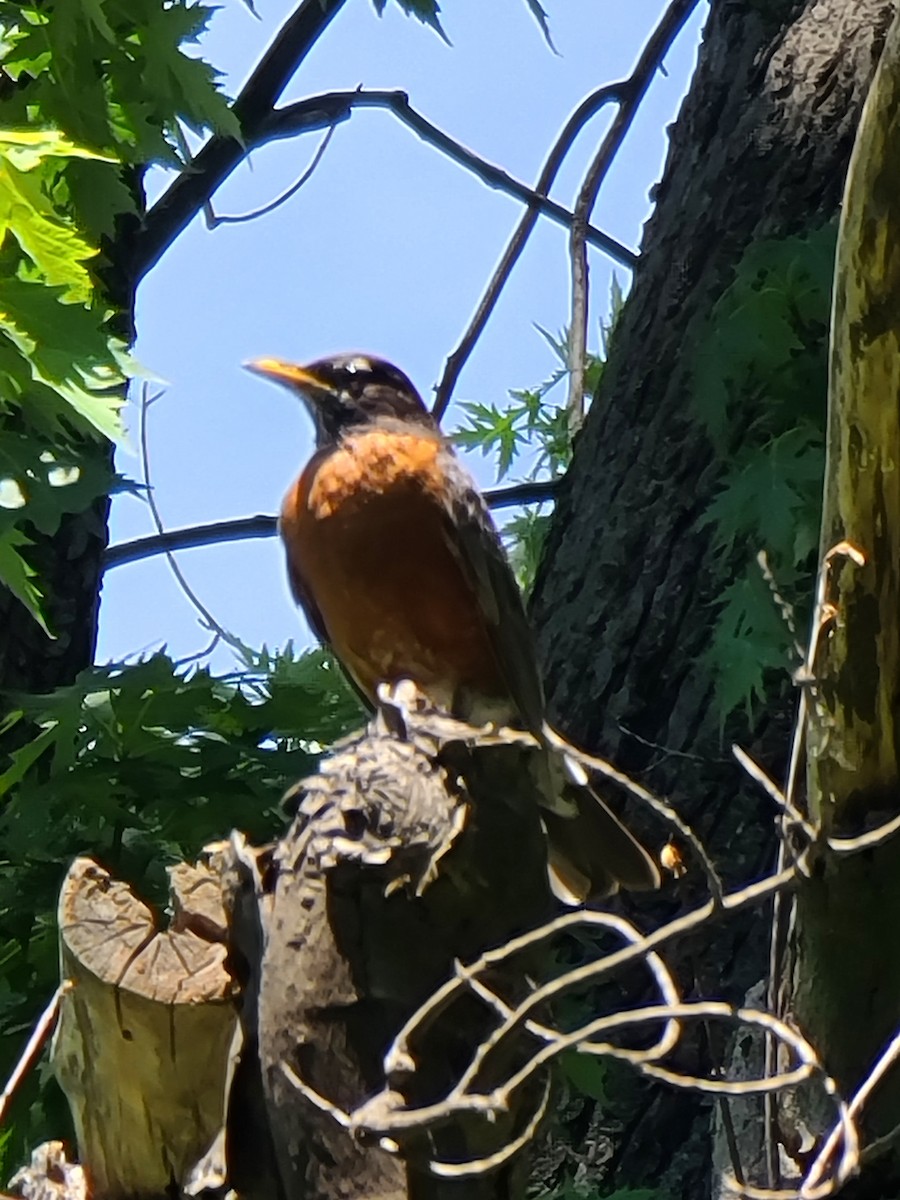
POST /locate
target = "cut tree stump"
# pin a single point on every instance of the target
(142, 1043)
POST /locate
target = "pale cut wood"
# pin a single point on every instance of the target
(142, 1044)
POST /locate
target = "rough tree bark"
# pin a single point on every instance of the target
(624, 601)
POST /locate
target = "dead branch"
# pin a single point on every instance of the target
(633, 93)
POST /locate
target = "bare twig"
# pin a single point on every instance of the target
(480, 1166)
(207, 617)
(587, 109)
(263, 526)
(284, 122)
(388, 1116)
(865, 841)
(33, 1047)
(823, 614)
(626, 94)
(187, 158)
(790, 814)
(886, 1060)
(785, 608)
(214, 219)
(633, 92)
(399, 1057)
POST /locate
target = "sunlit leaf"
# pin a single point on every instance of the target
(18, 576)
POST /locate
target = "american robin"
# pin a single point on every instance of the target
(394, 557)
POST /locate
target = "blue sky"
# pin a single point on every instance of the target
(387, 249)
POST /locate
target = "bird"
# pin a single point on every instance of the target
(394, 557)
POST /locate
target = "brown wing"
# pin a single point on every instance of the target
(475, 543)
(591, 838)
(303, 596)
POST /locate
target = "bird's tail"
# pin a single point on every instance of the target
(592, 854)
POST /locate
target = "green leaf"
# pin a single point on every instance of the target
(749, 639)
(541, 17)
(587, 1073)
(23, 759)
(67, 349)
(55, 249)
(763, 350)
(41, 485)
(188, 83)
(425, 10)
(766, 337)
(18, 576)
(26, 149)
(99, 196)
(771, 492)
(524, 536)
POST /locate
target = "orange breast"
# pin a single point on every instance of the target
(369, 540)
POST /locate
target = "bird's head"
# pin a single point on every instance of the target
(347, 391)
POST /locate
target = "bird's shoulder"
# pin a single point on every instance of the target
(377, 459)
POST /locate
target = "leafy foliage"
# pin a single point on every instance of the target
(147, 81)
(89, 90)
(139, 766)
(763, 350)
(60, 368)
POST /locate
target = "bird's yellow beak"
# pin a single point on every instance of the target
(284, 372)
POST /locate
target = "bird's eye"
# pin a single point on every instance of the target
(354, 384)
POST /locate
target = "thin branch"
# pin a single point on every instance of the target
(207, 617)
(211, 534)
(588, 108)
(886, 1060)
(294, 118)
(649, 63)
(187, 159)
(186, 196)
(215, 219)
(262, 526)
(35, 1044)
(627, 95)
(480, 1166)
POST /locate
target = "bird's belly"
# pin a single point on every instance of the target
(394, 600)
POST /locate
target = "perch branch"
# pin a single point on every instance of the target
(264, 526)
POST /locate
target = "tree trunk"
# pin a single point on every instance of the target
(625, 600)
(846, 976)
(68, 568)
